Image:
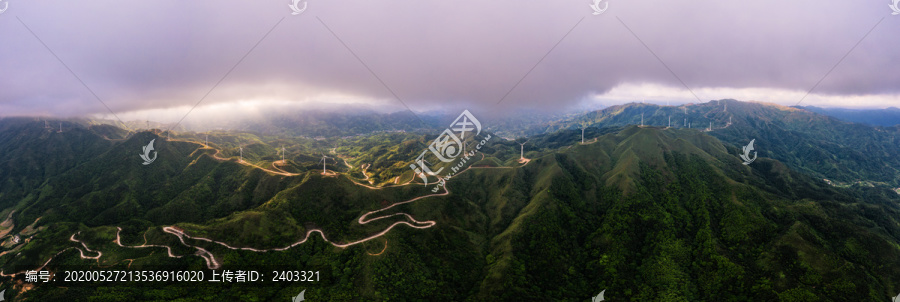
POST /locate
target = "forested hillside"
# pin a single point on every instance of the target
(646, 213)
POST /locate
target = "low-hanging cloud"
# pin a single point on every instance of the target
(154, 55)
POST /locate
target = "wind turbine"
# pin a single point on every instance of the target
(282, 155)
(60, 127)
(324, 157)
(582, 133)
(464, 146)
(642, 120)
(670, 121)
(242, 153)
(207, 138)
(522, 150)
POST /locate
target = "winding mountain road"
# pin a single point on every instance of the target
(210, 259)
(118, 242)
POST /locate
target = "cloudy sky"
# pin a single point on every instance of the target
(158, 59)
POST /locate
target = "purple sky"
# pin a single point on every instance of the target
(156, 59)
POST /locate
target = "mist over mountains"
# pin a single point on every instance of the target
(645, 209)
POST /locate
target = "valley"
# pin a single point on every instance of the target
(644, 210)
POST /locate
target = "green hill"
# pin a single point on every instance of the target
(647, 213)
(818, 145)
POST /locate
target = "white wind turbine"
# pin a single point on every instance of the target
(464, 146)
(522, 150)
(323, 160)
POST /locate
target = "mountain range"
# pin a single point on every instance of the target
(644, 209)
(876, 117)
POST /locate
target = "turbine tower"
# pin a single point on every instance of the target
(642, 120)
(324, 157)
(522, 150)
(582, 134)
(242, 153)
(670, 121)
(282, 155)
(464, 146)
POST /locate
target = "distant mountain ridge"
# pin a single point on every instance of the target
(646, 212)
(876, 117)
(820, 145)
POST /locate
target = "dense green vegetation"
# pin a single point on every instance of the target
(818, 145)
(649, 214)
